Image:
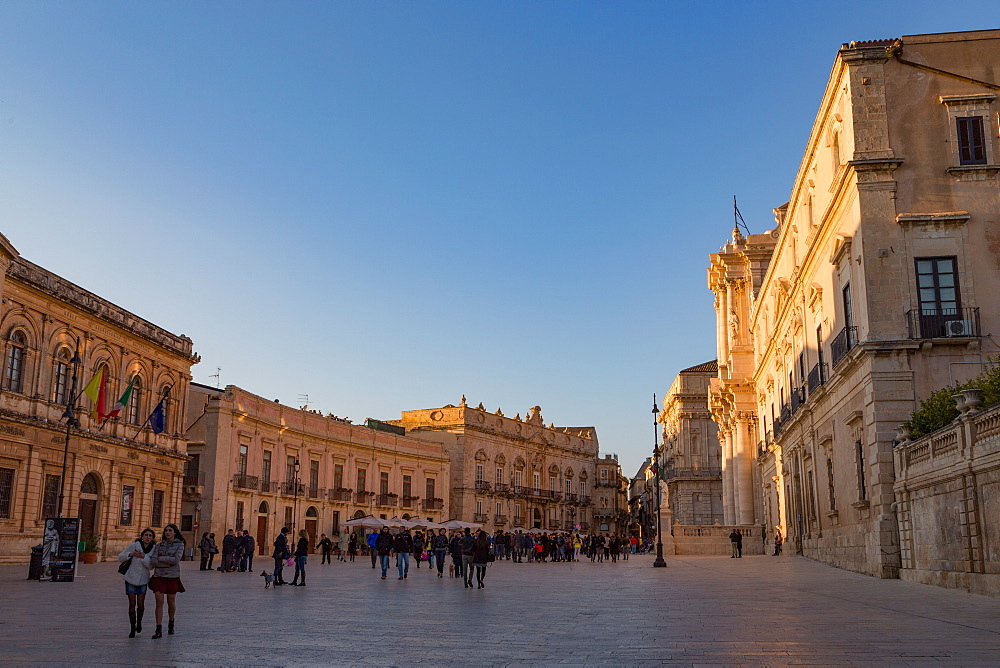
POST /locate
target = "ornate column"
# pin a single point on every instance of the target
(743, 454)
(728, 488)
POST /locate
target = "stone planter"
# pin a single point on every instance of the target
(88, 557)
(903, 433)
(973, 399)
(960, 402)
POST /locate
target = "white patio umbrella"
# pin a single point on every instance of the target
(459, 524)
(368, 522)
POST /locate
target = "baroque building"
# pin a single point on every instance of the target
(690, 456)
(864, 298)
(512, 473)
(258, 465)
(119, 478)
(611, 511)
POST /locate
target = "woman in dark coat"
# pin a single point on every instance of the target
(301, 552)
(481, 556)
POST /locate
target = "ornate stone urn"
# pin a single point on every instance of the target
(973, 398)
(903, 433)
(960, 402)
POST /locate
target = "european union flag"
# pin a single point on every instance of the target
(157, 419)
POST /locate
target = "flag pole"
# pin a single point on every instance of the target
(166, 393)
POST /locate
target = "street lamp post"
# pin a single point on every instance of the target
(659, 562)
(295, 496)
(71, 422)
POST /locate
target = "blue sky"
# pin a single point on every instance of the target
(386, 205)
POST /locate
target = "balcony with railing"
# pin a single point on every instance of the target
(386, 500)
(196, 478)
(482, 486)
(408, 502)
(604, 513)
(433, 504)
(268, 486)
(363, 498)
(519, 490)
(341, 495)
(584, 500)
(500, 520)
(555, 494)
(554, 524)
(786, 412)
(842, 344)
(502, 489)
(518, 521)
(482, 518)
(571, 498)
(584, 526)
(315, 492)
(943, 323)
(817, 377)
(797, 399)
(700, 473)
(291, 489)
(244, 481)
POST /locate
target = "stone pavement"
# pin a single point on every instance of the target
(698, 611)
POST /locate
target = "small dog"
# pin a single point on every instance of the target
(268, 579)
(451, 570)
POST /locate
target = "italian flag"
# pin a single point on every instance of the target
(123, 401)
(95, 390)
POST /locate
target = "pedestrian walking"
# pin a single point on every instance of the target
(344, 541)
(418, 546)
(325, 546)
(440, 546)
(736, 538)
(279, 554)
(403, 547)
(468, 544)
(301, 553)
(137, 577)
(482, 555)
(778, 540)
(372, 538)
(455, 549)
(166, 581)
(352, 546)
(383, 546)
(228, 548)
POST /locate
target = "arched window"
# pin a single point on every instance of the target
(359, 514)
(835, 151)
(60, 377)
(15, 362)
(90, 484)
(135, 413)
(263, 508)
(312, 512)
(164, 395)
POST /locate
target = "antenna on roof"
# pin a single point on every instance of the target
(216, 375)
(738, 218)
(304, 399)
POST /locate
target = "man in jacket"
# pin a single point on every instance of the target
(383, 546)
(403, 547)
(372, 537)
(455, 549)
(228, 549)
(279, 555)
(247, 545)
(468, 542)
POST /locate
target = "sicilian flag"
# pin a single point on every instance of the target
(96, 389)
(123, 402)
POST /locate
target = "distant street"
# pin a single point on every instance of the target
(699, 610)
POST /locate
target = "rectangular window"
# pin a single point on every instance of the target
(829, 482)
(314, 475)
(187, 523)
(971, 141)
(499, 475)
(362, 480)
(536, 479)
(6, 491)
(157, 519)
(338, 476)
(517, 510)
(812, 496)
(859, 455)
(383, 482)
(290, 468)
(848, 307)
(937, 285)
(239, 515)
(62, 376)
(430, 489)
(569, 486)
(241, 466)
(191, 469)
(336, 521)
(288, 516)
(819, 349)
(479, 473)
(583, 488)
(517, 478)
(50, 497)
(553, 483)
(499, 509)
(407, 486)
(479, 507)
(604, 475)
(265, 467)
(128, 503)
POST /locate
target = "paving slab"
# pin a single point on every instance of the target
(698, 611)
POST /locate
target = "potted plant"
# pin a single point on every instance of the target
(90, 548)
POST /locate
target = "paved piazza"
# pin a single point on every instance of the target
(698, 611)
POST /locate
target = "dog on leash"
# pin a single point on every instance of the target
(451, 570)
(268, 579)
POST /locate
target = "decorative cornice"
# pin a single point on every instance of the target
(945, 218)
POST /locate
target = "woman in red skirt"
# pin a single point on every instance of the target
(166, 559)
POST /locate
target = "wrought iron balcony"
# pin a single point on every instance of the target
(270, 486)
(554, 524)
(669, 474)
(519, 490)
(943, 323)
(291, 489)
(315, 492)
(500, 520)
(786, 412)
(817, 377)
(408, 502)
(433, 504)
(570, 498)
(386, 500)
(842, 344)
(363, 498)
(797, 399)
(244, 481)
(584, 526)
(584, 500)
(480, 517)
(518, 521)
(482, 486)
(501, 488)
(340, 495)
(196, 478)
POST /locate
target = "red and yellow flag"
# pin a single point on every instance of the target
(95, 390)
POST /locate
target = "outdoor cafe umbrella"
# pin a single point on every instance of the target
(368, 522)
(459, 524)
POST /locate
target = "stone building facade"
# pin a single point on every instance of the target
(864, 298)
(512, 473)
(263, 465)
(611, 512)
(690, 454)
(119, 478)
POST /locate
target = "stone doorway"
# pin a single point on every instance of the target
(90, 495)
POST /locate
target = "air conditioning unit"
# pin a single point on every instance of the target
(958, 328)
